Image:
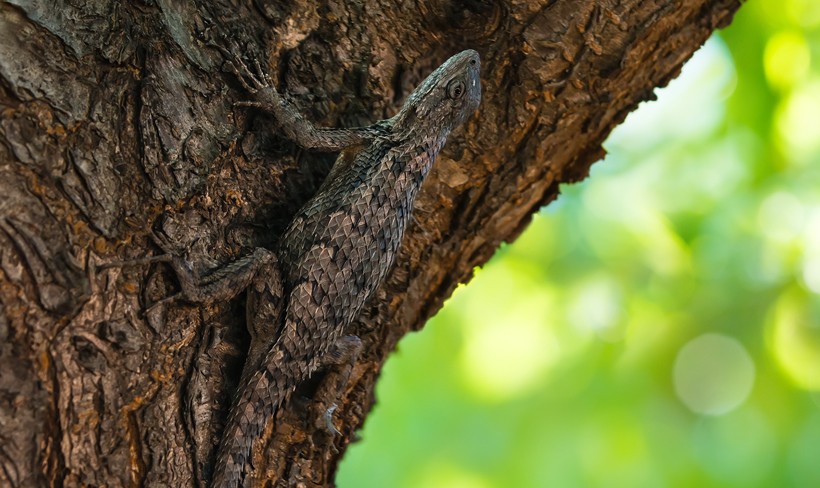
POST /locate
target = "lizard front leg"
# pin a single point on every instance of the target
(295, 126)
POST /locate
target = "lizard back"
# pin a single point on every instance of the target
(340, 247)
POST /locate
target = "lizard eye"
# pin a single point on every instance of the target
(455, 89)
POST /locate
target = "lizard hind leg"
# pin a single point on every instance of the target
(264, 312)
(222, 284)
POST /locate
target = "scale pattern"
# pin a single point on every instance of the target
(339, 247)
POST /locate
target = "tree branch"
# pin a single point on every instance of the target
(117, 121)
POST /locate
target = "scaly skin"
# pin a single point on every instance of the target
(342, 243)
(335, 253)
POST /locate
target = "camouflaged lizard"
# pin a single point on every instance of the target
(336, 252)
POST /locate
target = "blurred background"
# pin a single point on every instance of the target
(658, 324)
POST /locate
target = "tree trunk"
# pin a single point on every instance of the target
(117, 123)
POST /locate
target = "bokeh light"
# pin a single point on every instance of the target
(657, 325)
(795, 337)
(713, 374)
(786, 59)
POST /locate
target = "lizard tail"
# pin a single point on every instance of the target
(261, 393)
(245, 424)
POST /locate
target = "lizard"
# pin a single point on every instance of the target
(337, 250)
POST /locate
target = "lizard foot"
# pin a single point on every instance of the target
(329, 426)
(340, 360)
(174, 261)
(252, 77)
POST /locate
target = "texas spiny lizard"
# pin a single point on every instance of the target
(335, 253)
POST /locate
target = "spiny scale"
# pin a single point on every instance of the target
(341, 244)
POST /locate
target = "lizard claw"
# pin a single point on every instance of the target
(249, 103)
(162, 258)
(251, 80)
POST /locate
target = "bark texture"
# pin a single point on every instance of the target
(117, 120)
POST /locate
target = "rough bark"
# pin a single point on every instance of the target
(117, 119)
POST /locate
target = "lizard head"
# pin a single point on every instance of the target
(446, 98)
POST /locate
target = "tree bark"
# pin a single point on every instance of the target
(117, 122)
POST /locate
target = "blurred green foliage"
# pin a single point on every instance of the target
(659, 324)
